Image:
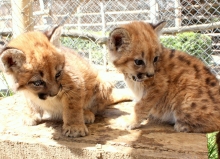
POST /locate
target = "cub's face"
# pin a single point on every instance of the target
(135, 49)
(35, 64)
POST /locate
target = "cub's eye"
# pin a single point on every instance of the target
(58, 74)
(139, 62)
(156, 58)
(38, 83)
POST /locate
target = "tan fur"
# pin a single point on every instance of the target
(57, 80)
(170, 86)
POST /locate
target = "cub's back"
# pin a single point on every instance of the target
(74, 60)
(190, 69)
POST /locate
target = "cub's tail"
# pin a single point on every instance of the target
(110, 93)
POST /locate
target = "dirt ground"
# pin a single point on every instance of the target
(105, 140)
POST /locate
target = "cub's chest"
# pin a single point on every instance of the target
(136, 87)
(52, 105)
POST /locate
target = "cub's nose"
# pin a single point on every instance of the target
(42, 96)
(139, 75)
(55, 90)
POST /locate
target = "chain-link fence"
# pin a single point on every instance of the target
(192, 25)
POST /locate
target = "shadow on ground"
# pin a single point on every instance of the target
(107, 139)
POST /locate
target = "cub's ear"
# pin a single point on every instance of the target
(158, 27)
(119, 40)
(11, 59)
(54, 35)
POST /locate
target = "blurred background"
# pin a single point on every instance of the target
(192, 25)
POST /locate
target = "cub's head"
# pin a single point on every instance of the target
(35, 63)
(135, 49)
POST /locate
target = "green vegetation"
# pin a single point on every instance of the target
(212, 147)
(195, 44)
(8, 91)
(86, 48)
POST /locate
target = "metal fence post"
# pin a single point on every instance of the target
(22, 16)
(177, 13)
(78, 18)
(103, 34)
(153, 11)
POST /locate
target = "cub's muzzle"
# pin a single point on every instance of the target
(142, 76)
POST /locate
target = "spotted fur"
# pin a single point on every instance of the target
(169, 85)
(56, 80)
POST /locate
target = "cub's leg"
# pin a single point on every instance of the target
(141, 112)
(32, 113)
(73, 118)
(141, 109)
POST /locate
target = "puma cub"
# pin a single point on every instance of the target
(169, 85)
(56, 80)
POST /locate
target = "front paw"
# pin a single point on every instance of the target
(75, 130)
(128, 122)
(89, 117)
(30, 121)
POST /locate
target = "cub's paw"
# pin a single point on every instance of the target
(89, 117)
(75, 130)
(179, 127)
(30, 121)
(128, 122)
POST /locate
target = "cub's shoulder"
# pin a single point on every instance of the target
(180, 57)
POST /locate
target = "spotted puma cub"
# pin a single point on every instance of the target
(56, 80)
(169, 85)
